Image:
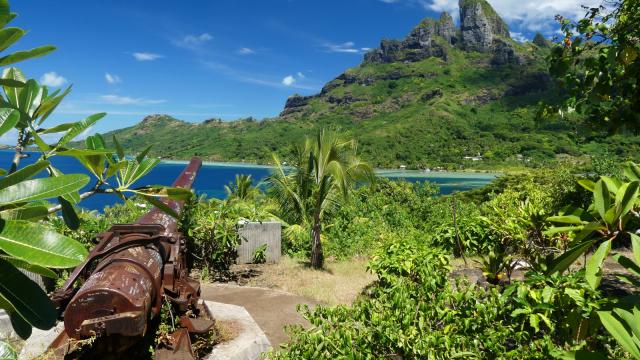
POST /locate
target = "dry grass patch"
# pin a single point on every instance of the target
(339, 282)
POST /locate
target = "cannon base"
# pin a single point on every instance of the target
(248, 340)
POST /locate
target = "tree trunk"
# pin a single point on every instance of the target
(317, 258)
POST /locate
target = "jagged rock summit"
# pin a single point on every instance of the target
(481, 29)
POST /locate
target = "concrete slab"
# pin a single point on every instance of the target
(39, 341)
(249, 340)
(6, 330)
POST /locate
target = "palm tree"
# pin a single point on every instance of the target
(326, 171)
(242, 189)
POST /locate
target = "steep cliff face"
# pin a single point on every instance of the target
(483, 30)
(428, 39)
(480, 25)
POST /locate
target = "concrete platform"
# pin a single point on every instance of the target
(247, 342)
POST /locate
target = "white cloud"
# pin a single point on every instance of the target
(194, 41)
(389, 1)
(300, 75)
(145, 56)
(532, 15)
(288, 80)
(246, 51)
(52, 79)
(347, 47)
(519, 37)
(112, 79)
(126, 100)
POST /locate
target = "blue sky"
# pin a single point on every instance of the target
(201, 59)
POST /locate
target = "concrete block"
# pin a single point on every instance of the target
(255, 234)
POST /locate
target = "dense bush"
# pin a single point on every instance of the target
(212, 231)
(376, 214)
(416, 311)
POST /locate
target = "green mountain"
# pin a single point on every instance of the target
(445, 95)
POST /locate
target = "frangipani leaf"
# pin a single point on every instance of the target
(25, 55)
(40, 245)
(26, 297)
(40, 189)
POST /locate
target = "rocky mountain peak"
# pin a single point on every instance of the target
(481, 29)
(480, 25)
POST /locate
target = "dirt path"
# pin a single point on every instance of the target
(271, 309)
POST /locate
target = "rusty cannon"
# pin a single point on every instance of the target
(128, 275)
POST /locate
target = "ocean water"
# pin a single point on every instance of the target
(214, 176)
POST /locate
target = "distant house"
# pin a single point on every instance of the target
(473, 158)
(403, 167)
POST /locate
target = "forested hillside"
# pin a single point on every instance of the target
(443, 93)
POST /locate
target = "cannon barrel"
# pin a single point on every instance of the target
(135, 266)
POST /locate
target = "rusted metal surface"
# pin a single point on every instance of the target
(127, 275)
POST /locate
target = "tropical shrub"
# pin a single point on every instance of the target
(416, 311)
(212, 232)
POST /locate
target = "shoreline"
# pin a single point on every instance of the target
(380, 172)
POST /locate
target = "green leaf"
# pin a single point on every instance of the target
(619, 332)
(25, 173)
(593, 273)
(143, 154)
(166, 191)
(9, 36)
(26, 297)
(635, 246)
(72, 197)
(7, 352)
(95, 142)
(28, 212)
(587, 184)
(119, 149)
(11, 83)
(13, 74)
(612, 184)
(133, 171)
(601, 198)
(631, 171)
(79, 127)
(564, 261)
(27, 96)
(83, 152)
(20, 325)
(8, 120)
(25, 55)
(628, 264)
(626, 198)
(40, 245)
(562, 229)
(49, 104)
(161, 205)
(69, 214)
(29, 267)
(58, 128)
(566, 219)
(40, 189)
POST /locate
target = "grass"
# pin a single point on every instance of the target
(341, 282)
